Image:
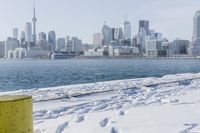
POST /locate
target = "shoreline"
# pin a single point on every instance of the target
(109, 58)
(128, 101)
(76, 90)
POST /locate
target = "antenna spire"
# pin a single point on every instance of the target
(34, 24)
(34, 8)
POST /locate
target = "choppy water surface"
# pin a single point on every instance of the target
(30, 74)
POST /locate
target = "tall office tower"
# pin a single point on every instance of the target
(15, 33)
(28, 34)
(34, 26)
(113, 33)
(22, 41)
(144, 24)
(68, 44)
(77, 45)
(126, 30)
(158, 36)
(52, 41)
(152, 33)
(2, 49)
(107, 34)
(97, 40)
(196, 26)
(42, 36)
(119, 34)
(141, 40)
(61, 44)
(42, 41)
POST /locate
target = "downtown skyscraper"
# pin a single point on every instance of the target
(28, 33)
(52, 41)
(144, 25)
(196, 26)
(126, 30)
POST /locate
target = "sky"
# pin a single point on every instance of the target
(82, 18)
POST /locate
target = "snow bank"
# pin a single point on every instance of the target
(145, 105)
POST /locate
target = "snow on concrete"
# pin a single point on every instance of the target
(170, 104)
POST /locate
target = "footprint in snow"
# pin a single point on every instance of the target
(114, 130)
(37, 131)
(189, 128)
(175, 101)
(121, 113)
(104, 122)
(61, 127)
(79, 119)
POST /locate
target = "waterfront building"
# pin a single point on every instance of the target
(154, 47)
(52, 40)
(87, 46)
(18, 53)
(74, 45)
(61, 44)
(195, 48)
(96, 52)
(151, 47)
(37, 53)
(165, 44)
(97, 40)
(11, 44)
(179, 47)
(61, 55)
(77, 46)
(196, 26)
(69, 43)
(122, 51)
(15, 33)
(2, 49)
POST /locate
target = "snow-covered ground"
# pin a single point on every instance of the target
(170, 104)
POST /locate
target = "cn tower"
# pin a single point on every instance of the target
(34, 26)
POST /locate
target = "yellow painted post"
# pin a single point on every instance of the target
(16, 114)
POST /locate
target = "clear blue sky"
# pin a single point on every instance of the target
(82, 18)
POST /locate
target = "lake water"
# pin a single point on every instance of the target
(29, 74)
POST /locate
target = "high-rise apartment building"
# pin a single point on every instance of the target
(144, 24)
(52, 40)
(107, 34)
(15, 33)
(97, 40)
(126, 30)
(28, 32)
(61, 44)
(196, 26)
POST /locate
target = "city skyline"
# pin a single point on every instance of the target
(168, 19)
